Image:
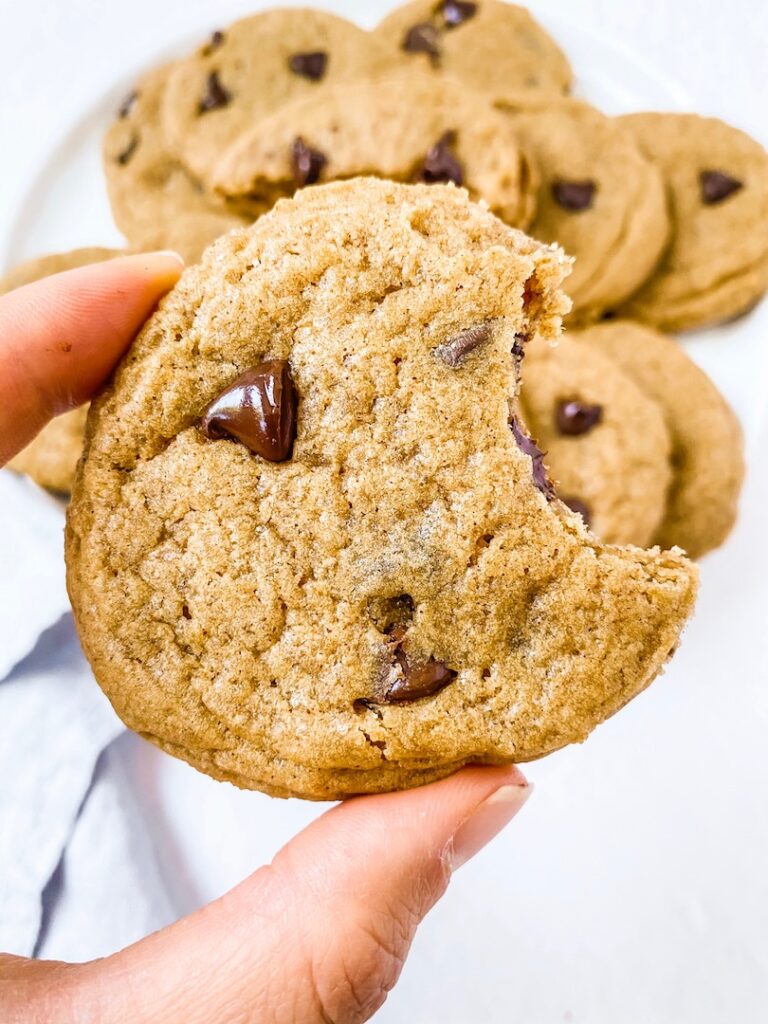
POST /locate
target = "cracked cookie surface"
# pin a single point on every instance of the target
(393, 591)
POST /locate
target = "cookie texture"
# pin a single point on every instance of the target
(598, 197)
(407, 126)
(717, 178)
(606, 441)
(50, 459)
(497, 48)
(247, 71)
(707, 447)
(402, 593)
(156, 202)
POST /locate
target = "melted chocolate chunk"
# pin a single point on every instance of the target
(309, 65)
(456, 12)
(529, 447)
(123, 157)
(452, 352)
(580, 507)
(418, 680)
(423, 38)
(217, 38)
(128, 104)
(413, 678)
(716, 186)
(574, 196)
(307, 163)
(518, 348)
(258, 409)
(215, 96)
(573, 417)
(440, 164)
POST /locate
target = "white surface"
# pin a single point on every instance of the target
(632, 888)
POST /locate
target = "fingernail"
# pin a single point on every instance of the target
(172, 253)
(486, 821)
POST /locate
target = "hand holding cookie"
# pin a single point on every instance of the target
(263, 948)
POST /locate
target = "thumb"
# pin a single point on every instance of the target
(60, 337)
(323, 932)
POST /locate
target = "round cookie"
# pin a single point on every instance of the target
(249, 70)
(606, 442)
(156, 202)
(599, 198)
(717, 178)
(405, 127)
(496, 48)
(309, 552)
(707, 446)
(50, 460)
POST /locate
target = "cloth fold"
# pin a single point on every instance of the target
(55, 724)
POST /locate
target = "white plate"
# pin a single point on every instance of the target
(632, 889)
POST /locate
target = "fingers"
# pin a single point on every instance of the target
(321, 934)
(60, 337)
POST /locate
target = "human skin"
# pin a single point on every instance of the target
(321, 933)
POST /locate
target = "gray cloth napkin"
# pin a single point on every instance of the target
(77, 867)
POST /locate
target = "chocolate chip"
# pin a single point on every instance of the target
(258, 409)
(423, 38)
(456, 12)
(416, 678)
(128, 104)
(574, 195)
(452, 352)
(518, 349)
(529, 447)
(215, 96)
(582, 509)
(420, 679)
(440, 165)
(574, 417)
(217, 38)
(309, 65)
(126, 154)
(306, 163)
(717, 186)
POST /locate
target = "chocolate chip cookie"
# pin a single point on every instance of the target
(156, 202)
(598, 197)
(717, 179)
(247, 71)
(309, 551)
(497, 48)
(707, 448)
(50, 459)
(606, 441)
(407, 126)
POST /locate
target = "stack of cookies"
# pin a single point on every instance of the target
(666, 216)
